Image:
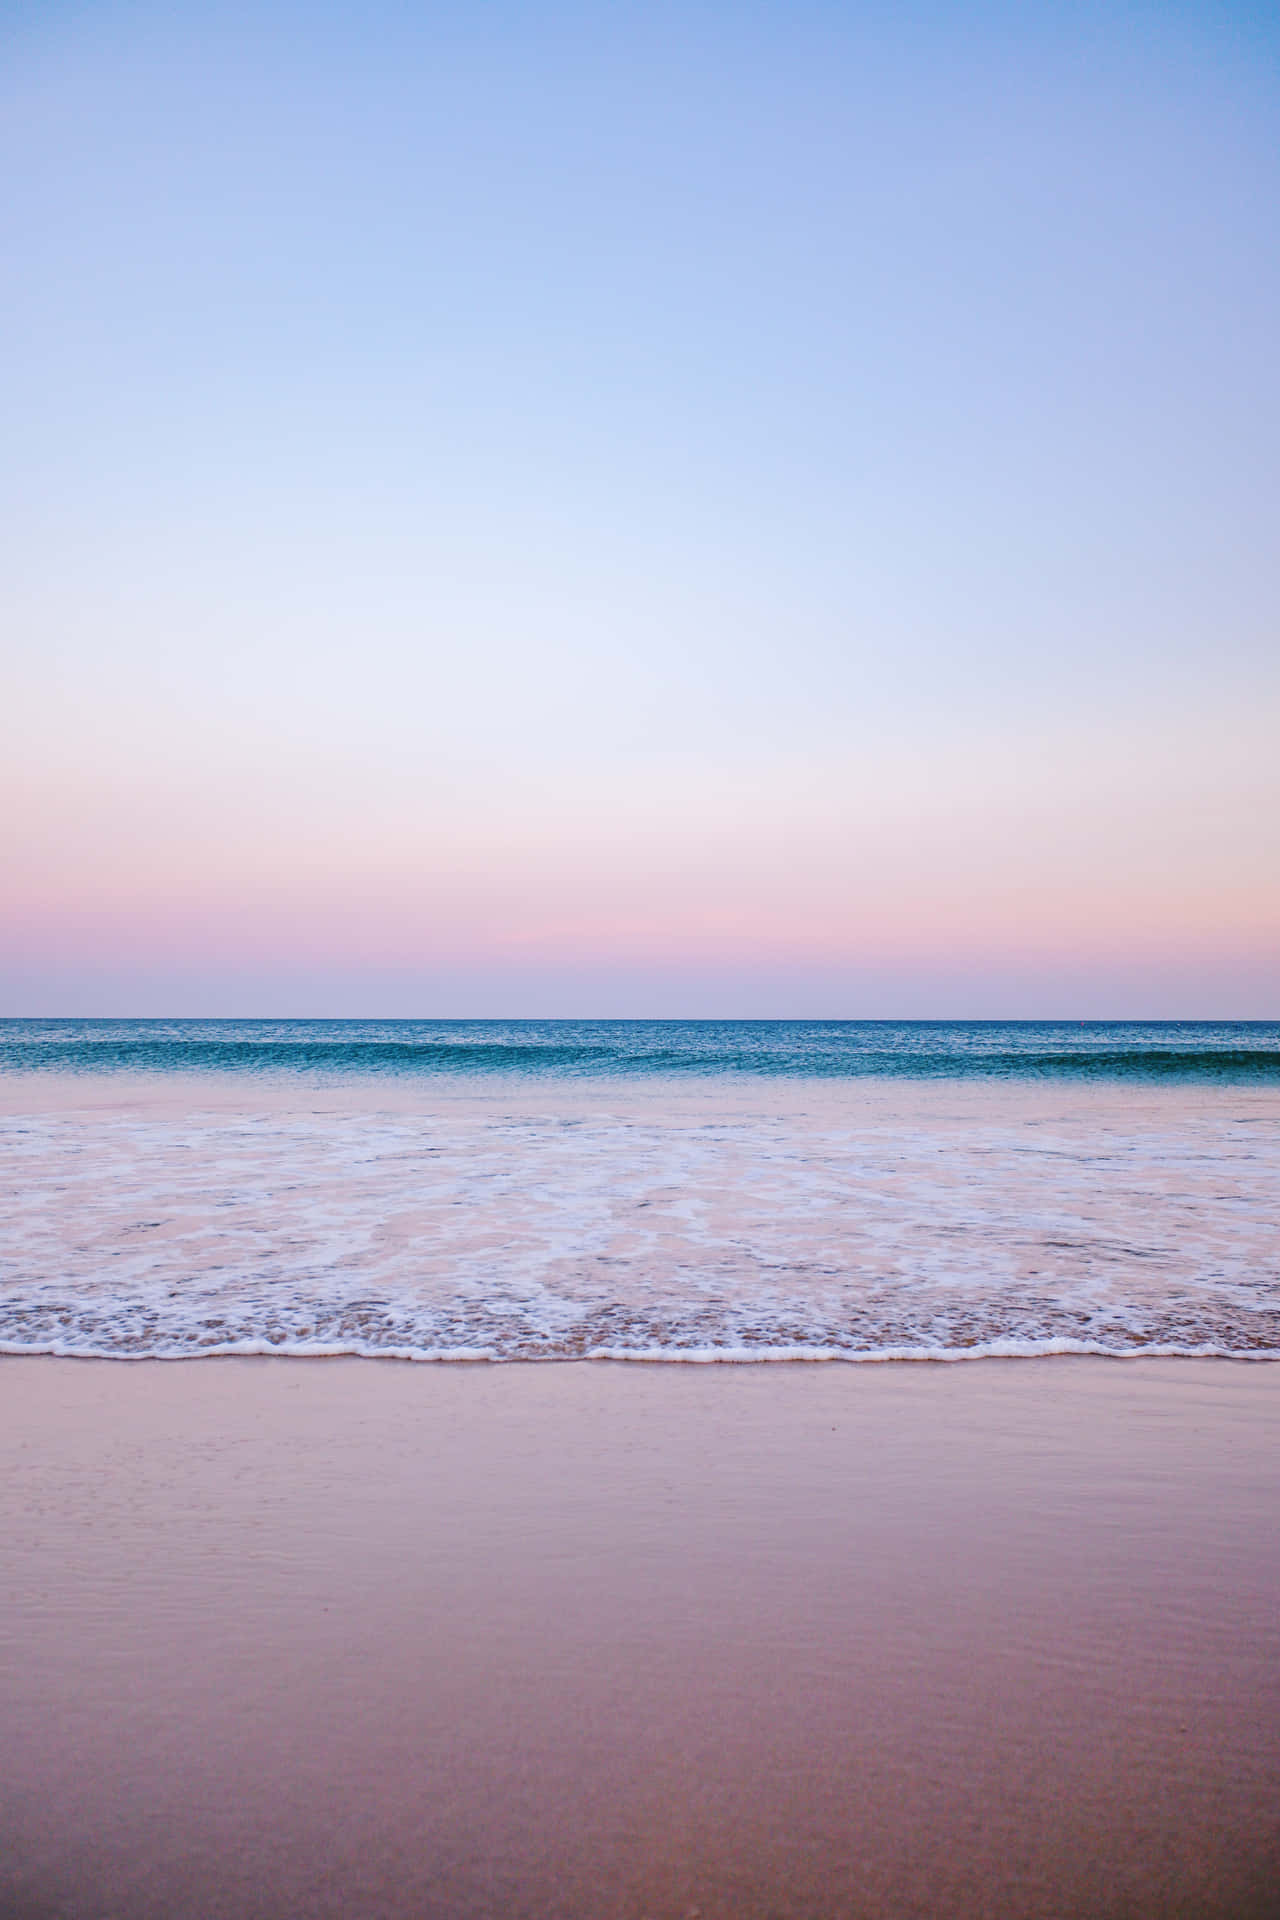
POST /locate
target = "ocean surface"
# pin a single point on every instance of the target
(694, 1190)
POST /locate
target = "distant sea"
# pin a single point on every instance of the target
(1191, 1050)
(682, 1190)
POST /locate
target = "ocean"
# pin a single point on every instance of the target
(674, 1190)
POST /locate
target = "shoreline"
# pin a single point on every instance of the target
(991, 1353)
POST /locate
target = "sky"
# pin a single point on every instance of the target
(603, 510)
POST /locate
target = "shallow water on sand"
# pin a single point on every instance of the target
(711, 1216)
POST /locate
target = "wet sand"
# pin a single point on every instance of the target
(302, 1638)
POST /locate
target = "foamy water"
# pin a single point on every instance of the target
(714, 1218)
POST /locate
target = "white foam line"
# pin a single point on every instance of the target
(987, 1350)
(256, 1349)
(666, 1356)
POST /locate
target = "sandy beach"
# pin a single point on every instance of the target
(304, 1638)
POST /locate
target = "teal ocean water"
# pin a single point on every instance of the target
(697, 1191)
(1241, 1051)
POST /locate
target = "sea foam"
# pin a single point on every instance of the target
(714, 1218)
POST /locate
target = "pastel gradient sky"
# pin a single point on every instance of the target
(712, 509)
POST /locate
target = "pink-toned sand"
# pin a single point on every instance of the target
(302, 1638)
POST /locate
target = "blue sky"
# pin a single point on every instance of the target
(544, 509)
